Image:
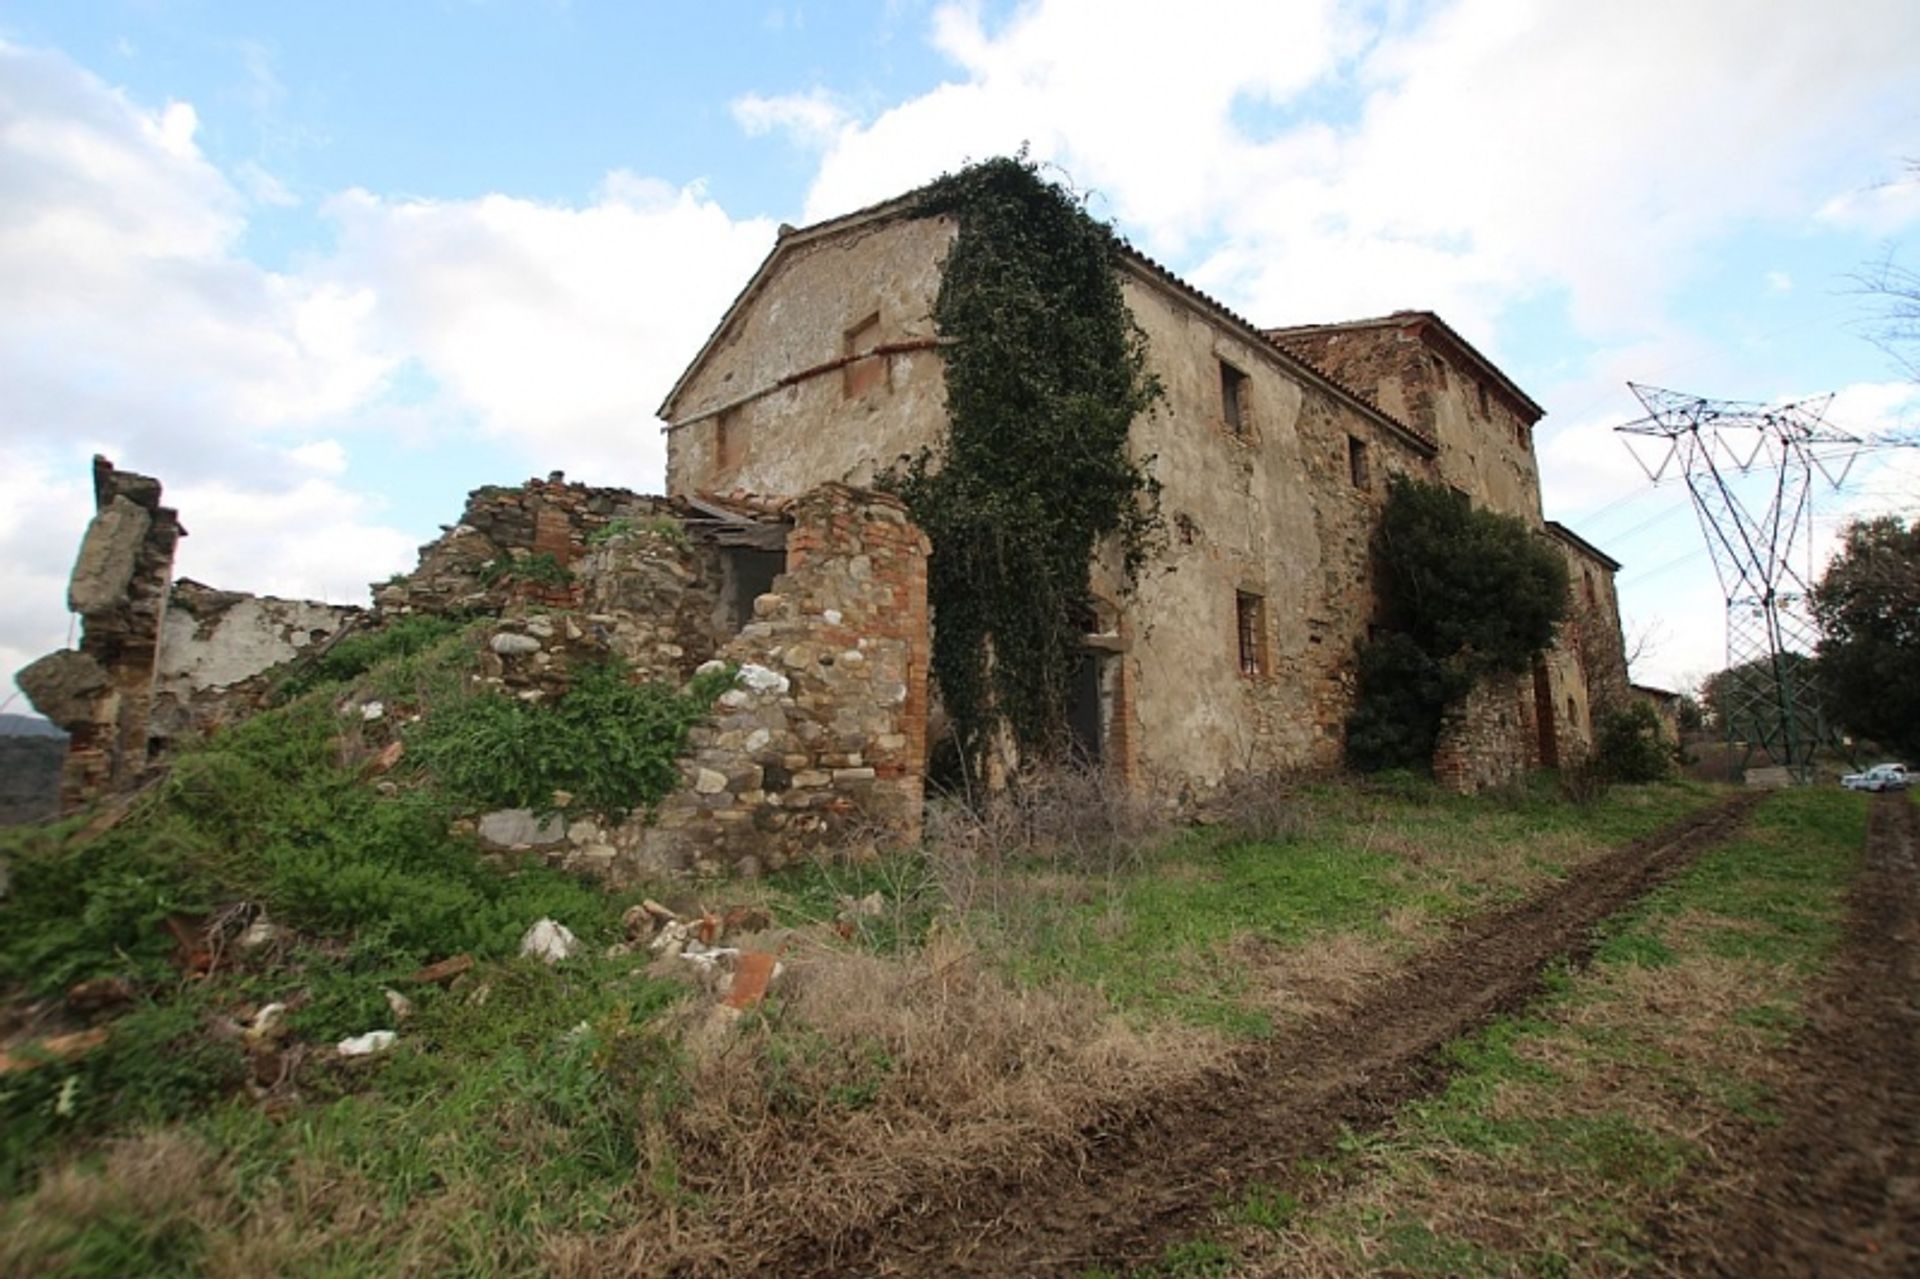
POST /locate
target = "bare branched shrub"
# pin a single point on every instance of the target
(1260, 807)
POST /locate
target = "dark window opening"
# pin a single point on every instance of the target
(1233, 398)
(1357, 462)
(1087, 708)
(1593, 598)
(1250, 615)
(1480, 391)
(746, 575)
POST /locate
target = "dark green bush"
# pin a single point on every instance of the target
(1629, 745)
(1467, 593)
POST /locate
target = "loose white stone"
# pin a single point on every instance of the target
(708, 782)
(507, 644)
(710, 666)
(831, 617)
(372, 711)
(758, 738)
(761, 680)
(374, 1041)
(549, 942)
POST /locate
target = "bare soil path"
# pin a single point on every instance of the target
(1835, 1188)
(1127, 1192)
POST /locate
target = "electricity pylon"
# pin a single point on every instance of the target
(1751, 469)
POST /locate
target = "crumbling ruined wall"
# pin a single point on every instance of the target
(1490, 738)
(826, 733)
(508, 544)
(217, 648)
(101, 694)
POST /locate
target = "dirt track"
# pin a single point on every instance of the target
(1835, 1189)
(1130, 1191)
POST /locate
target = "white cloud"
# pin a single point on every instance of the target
(561, 328)
(1779, 282)
(1881, 209)
(138, 328)
(1474, 154)
(814, 118)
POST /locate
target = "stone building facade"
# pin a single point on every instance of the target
(1273, 448)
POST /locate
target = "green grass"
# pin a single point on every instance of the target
(1563, 1128)
(1167, 939)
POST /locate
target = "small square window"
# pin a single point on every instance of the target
(1233, 398)
(1357, 462)
(1250, 616)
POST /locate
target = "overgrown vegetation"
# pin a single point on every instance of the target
(277, 815)
(1468, 593)
(1630, 746)
(607, 744)
(1045, 374)
(354, 655)
(542, 568)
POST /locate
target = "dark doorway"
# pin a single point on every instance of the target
(1086, 708)
(1543, 717)
(748, 574)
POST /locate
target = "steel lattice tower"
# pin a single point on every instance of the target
(1751, 469)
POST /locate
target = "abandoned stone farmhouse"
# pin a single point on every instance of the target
(1272, 447)
(771, 553)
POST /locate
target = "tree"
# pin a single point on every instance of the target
(1468, 593)
(1868, 608)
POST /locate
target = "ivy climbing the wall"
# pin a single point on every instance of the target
(1045, 372)
(1468, 593)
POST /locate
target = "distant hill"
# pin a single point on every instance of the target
(31, 754)
(27, 726)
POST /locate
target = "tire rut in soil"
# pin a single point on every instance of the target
(1835, 1188)
(1120, 1195)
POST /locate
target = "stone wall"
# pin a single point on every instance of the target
(508, 540)
(101, 694)
(1490, 738)
(825, 735)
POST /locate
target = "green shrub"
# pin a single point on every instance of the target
(542, 568)
(1468, 593)
(1629, 746)
(611, 744)
(359, 653)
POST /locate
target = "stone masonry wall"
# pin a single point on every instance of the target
(505, 540)
(825, 735)
(101, 694)
(1489, 739)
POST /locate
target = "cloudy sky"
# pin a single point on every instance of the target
(323, 268)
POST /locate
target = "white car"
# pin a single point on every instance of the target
(1879, 777)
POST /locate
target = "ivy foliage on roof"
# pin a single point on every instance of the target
(1045, 372)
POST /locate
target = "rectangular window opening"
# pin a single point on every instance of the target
(860, 376)
(1251, 617)
(1357, 462)
(1233, 398)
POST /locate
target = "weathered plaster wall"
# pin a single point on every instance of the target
(802, 418)
(216, 645)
